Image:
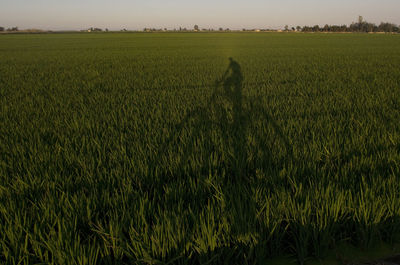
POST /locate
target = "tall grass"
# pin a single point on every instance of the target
(136, 148)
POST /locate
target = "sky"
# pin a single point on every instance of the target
(233, 14)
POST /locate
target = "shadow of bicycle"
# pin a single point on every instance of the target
(232, 146)
(233, 136)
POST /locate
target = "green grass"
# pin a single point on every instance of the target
(135, 149)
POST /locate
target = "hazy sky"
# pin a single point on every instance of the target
(133, 14)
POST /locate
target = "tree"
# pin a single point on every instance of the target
(298, 28)
(386, 27)
(13, 29)
(361, 24)
(293, 29)
(2, 29)
(221, 29)
(316, 28)
(370, 27)
(286, 27)
(196, 28)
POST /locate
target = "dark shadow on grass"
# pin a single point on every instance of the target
(250, 149)
(241, 135)
(243, 146)
(231, 148)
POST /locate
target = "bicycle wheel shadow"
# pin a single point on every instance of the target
(227, 143)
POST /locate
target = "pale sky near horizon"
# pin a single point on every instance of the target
(118, 14)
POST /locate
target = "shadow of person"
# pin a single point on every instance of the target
(221, 146)
(238, 131)
(248, 136)
(233, 86)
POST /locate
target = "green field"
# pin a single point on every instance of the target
(157, 149)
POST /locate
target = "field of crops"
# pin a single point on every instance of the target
(157, 148)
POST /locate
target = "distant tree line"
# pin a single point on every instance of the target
(196, 28)
(359, 26)
(9, 29)
(95, 30)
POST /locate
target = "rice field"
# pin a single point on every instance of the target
(197, 148)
